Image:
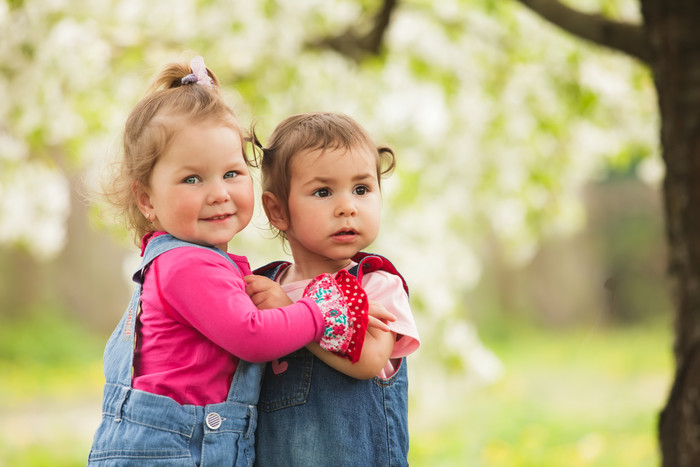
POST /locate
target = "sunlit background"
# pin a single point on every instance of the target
(524, 212)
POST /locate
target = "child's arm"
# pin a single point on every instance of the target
(378, 344)
(202, 290)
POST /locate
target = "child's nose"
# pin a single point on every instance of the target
(345, 207)
(218, 193)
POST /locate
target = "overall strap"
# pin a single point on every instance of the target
(119, 352)
(245, 386)
(270, 270)
(369, 262)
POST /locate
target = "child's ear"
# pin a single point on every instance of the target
(275, 212)
(143, 201)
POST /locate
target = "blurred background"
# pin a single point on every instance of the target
(525, 210)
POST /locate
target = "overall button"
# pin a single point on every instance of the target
(213, 421)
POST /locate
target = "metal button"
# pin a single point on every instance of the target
(213, 421)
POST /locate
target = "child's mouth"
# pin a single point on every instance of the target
(218, 218)
(343, 233)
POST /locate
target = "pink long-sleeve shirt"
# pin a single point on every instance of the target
(197, 321)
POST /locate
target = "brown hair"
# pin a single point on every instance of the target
(312, 131)
(168, 106)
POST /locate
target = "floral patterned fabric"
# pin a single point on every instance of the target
(344, 305)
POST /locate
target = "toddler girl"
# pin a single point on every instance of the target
(321, 179)
(179, 389)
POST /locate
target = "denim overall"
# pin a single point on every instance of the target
(139, 428)
(312, 415)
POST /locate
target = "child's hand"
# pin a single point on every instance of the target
(265, 293)
(378, 316)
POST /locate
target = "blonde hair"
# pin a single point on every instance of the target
(308, 132)
(169, 105)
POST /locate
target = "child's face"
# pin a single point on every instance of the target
(200, 188)
(334, 204)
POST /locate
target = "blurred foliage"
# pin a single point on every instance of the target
(497, 117)
(52, 348)
(587, 396)
(51, 370)
(43, 337)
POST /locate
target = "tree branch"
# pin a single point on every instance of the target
(357, 45)
(624, 37)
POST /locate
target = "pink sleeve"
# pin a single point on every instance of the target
(387, 289)
(202, 289)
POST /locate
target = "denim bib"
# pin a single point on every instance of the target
(312, 415)
(140, 428)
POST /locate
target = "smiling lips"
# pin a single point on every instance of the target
(218, 218)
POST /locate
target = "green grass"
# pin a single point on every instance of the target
(47, 356)
(567, 398)
(49, 391)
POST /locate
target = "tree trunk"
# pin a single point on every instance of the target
(673, 29)
(86, 280)
(90, 281)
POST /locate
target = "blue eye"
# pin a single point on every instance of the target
(231, 174)
(191, 180)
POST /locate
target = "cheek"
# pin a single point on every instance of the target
(375, 222)
(305, 222)
(375, 215)
(250, 204)
(246, 197)
(297, 212)
(181, 203)
(171, 203)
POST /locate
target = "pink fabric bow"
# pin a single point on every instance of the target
(200, 72)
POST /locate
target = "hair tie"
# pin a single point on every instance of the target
(199, 73)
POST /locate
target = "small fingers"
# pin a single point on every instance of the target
(378, 311)
(377, 324)
(256, 284)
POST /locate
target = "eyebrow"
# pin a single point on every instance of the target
(359, 177)
(203, 167)
(189, 168)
